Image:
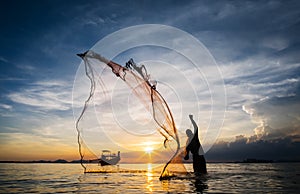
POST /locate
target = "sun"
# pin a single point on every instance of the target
(148, 149)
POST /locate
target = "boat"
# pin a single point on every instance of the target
(108, 158)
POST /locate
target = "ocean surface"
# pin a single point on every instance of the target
(222, 178)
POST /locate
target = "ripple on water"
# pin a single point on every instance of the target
(222, 178)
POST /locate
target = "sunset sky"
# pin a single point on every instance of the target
(255, 44)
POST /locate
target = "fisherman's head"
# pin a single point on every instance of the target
(189, 133)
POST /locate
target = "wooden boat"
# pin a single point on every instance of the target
(108, 158)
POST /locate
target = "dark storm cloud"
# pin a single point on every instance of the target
(276, 117)
(284, 148)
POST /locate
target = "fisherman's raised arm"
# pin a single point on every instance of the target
(194, 124)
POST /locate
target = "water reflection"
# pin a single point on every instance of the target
(200, 183)
(149, 178)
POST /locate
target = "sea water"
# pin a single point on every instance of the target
(221, 178)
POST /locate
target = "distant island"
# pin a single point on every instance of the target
(63, 161)
(253, 160)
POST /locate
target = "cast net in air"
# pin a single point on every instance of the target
(148, 102)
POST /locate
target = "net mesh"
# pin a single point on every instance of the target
(138, 82)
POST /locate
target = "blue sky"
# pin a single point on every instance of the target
(256, 45)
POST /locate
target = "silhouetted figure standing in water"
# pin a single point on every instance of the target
(193, 145)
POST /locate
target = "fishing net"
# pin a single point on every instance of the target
(106, 112)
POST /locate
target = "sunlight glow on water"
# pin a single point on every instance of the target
(222, 178)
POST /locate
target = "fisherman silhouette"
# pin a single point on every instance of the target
(193, 145)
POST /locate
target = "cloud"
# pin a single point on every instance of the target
(263, 97)
(277, 43)
(47, 131)
(284, 148)
(5, 106)
(45, 95)
(6, 110)
(236, 31)
(26, 67)
(275, 117)
(2, 59)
